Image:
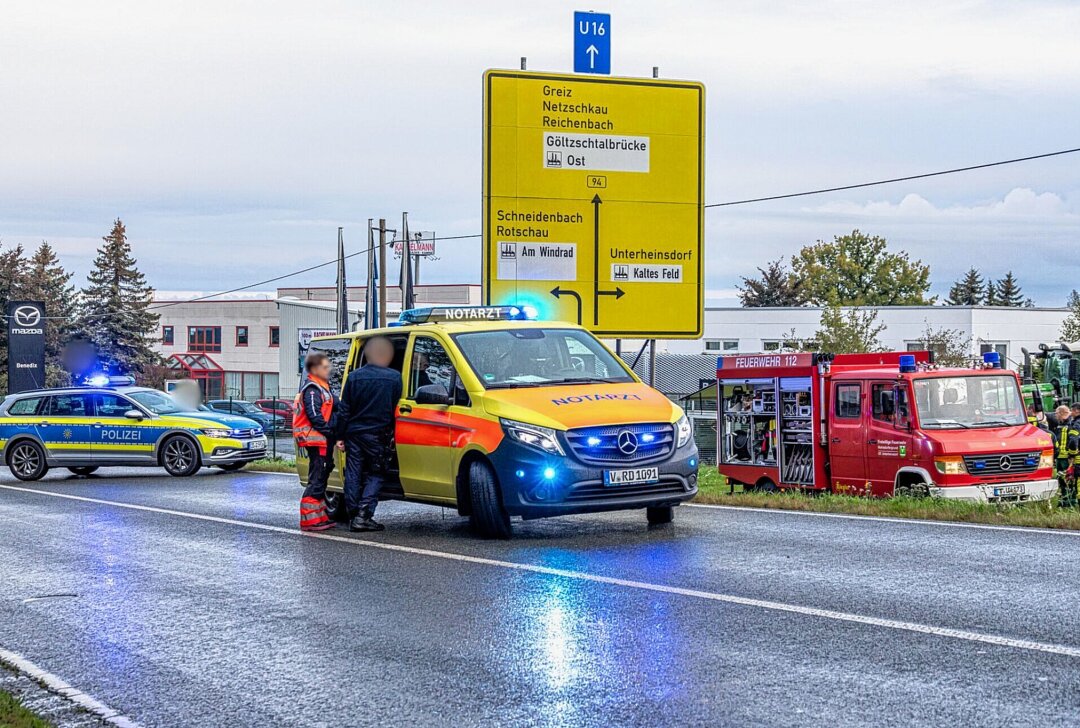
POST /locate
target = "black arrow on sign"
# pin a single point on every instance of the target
(560, 292)
(618, 293)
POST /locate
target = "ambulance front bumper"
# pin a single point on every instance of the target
(1021, 492)
(535, 485)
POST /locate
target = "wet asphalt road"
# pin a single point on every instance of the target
(179, 621)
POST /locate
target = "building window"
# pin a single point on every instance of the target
(241, 335)
(722, 345)
(204, 338)
(275, 336)
(1001, 348)
(168, 337)
(770, 346)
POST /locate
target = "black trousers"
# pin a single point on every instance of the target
(365, 458)
(319, 469)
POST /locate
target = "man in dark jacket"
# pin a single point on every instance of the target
(368, 401)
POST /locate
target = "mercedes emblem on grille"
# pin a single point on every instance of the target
(1005, 463)
(627, 442)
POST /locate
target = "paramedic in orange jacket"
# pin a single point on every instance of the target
(314, 420)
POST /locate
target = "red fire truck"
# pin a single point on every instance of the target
(879, 424)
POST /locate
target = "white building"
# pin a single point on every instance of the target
(986, 328)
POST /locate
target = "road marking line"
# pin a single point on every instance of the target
(888, 519)
(59, 686)
(990, 639)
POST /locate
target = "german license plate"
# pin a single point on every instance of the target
(631, 476)
(256, 445)
(1008, 490)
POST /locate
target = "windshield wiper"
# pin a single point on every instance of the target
(583, 380)
(995, 423)
(947, 425)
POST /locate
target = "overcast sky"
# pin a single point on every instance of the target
(234, 137)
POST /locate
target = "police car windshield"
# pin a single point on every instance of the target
(535, 357)
(157, 402)
(971, 401)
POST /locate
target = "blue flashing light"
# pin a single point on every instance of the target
(648, 437)
(593, 441)
(98, 380)
(530, 313)
(549, 473)
(520, 473)
(992, 359)
(693, 462)
(467, 313)
(907, 363)
(980, 464)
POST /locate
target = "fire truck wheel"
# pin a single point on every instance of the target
(488, 518)
(660, 515)
(765, 486)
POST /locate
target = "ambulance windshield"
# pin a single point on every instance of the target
(991, 400)
(536, 357)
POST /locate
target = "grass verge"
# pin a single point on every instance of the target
(272, 465)
(714, 490)
(14, 715)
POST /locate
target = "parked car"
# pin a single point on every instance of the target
(270, 422)
(277, 407)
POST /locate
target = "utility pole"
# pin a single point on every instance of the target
(382, 274)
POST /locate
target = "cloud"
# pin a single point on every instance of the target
(1021, 202)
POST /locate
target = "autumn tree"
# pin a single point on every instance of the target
(849, 331)
(1070, 328)
(859, 270)
(116, 316)
(951, 348)
(776, 286)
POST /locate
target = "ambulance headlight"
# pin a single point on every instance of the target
(685, 431)
(541, 438)
(215, 432)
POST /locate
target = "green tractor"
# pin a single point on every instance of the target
(1051, 376)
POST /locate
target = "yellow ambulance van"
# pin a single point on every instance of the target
(503, 415)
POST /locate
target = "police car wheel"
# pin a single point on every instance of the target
(27, 461)
(231, 467)
(660, 515)
(488, 518)
(83, 469)
(180, 457)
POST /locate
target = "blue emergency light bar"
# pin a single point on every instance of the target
(907, 363)
(992, 359)
(467, 313)
(106, 380)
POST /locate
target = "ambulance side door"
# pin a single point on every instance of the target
(422, 432)
(847, 437)
(113, 436)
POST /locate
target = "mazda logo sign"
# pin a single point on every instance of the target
(627, 442)
(1005, 463)
(27, 316)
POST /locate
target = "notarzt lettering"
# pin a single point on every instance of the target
(579, 398)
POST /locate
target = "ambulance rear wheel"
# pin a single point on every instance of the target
(335, 507)
(83, 469)
(488, 517)
(180, 457)
(27, 461)
(660, 515)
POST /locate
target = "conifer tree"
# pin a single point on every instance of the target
(1008, 293)
(116, 315)
(12, 281)
(48, 282)
(968, 291)
(1070, 328)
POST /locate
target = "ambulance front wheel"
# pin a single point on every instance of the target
(180, 456)
(27, 461)
(660, 515)
(488, 517)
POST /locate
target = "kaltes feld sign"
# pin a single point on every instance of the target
(26, 345)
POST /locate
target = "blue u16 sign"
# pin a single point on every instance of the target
(592, 42)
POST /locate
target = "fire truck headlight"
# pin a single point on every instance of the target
(541, 438)
(952, 465)
(1046, 460)
(685, 431)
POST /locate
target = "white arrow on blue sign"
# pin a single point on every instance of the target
(592, 42)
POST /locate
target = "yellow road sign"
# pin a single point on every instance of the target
(593, 200)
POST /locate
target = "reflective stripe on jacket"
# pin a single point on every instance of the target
(303, 430)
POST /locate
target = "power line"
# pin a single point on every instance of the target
(730, 203)
(894, 179)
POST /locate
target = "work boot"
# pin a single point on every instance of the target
(365, 523)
